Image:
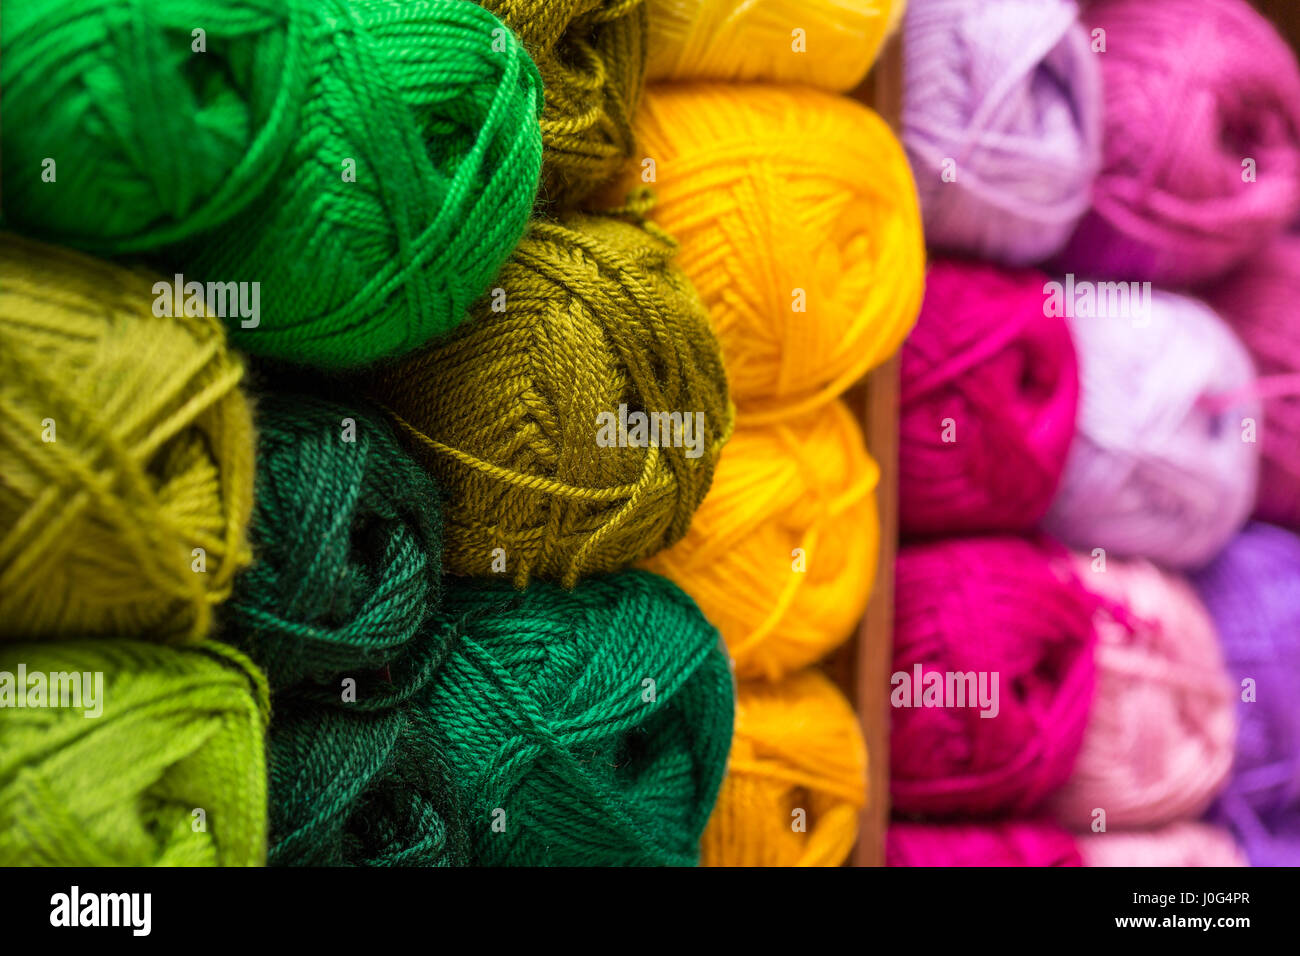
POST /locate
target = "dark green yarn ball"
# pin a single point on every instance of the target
(347, 540)
(560, 750)
(369, 163)
(351, 786)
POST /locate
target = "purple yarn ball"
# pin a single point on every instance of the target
(1252, 591)
(1164, 459)
(1005, 95)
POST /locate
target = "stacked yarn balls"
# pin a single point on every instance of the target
(349, 363)
(1132, 402)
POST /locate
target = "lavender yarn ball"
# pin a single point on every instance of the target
(1252, 591)
(1006, 95)
(1165, 457)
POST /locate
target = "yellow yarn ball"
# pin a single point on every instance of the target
(826, 43)
(781, 556)
(125, 446)
(797, 747)
(798, 222)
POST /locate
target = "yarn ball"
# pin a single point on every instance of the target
(1179, 844)
(825, 43)
(126, 454)
(346, 530)
(1251, 593)
(585, 727)
(798, 756)
(361, 786)
(781, 556)
(1015, 843)
(989, 393)
(986, 609)
(1002, 120)
(177, 729)
(798, 224)
(1163, 464)
(1160, 735)
(1261, 301)
(526, 416)
(592, 59)
(392, 148)
(1201, 137)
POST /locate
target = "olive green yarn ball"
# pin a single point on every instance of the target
(517, 413)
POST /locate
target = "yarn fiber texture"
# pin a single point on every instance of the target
(1261, 301)
(1251, 594)
(798, 748)
(781, 556)
(596, 321)
(1002, 120)
(592, 59)
(586, 727)
(797, 218)
(989, 397)
(746, 41)
(125, 446)
(361, 784)
(393, 150)
(1161, 465)
(179, 729)
(1013, 843)
(1180, 844)
(1160, 735)
(1193, 89)
(347, 536)
(996, 606)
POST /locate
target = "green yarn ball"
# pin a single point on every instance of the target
(179, 730)
(370, 163)
(347, 538)
(353, 785)
(584, 728)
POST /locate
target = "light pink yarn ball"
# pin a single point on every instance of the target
(1159, 740)
(1177, 844)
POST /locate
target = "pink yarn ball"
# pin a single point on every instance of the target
(990, 387)
(980, 844)
(1159, 467)
(1178, 844)
(1192, 90)
(1160, 736)
(1003, 608)
(1261, 301)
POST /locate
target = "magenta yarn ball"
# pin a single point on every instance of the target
(1164, 459)
(1008, 612)
(1201, 143)
(1160, 735)
(1011, 843)
(1261, 301)
(990, 388)
(1181, 844)
(1252, 591)
(1001, 122)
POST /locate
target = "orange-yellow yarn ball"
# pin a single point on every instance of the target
(797, 747)
(126, 454)
(797, 219)
(781, 556)
(826, 43)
